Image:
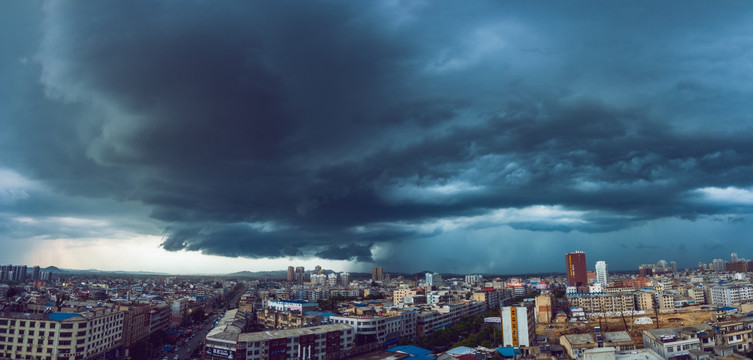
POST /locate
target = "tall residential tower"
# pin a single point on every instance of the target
(602, 274)
(576, 268)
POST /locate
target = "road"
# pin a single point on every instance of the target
(197, 340)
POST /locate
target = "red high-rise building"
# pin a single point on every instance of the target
(576, 268)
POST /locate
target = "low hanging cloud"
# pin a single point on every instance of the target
(331, 129)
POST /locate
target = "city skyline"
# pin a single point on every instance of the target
(292, 270)
(475, 138)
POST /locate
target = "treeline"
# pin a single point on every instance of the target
(470, 331)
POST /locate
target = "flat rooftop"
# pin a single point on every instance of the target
(580, 339)
(279, 334)
(617, 337)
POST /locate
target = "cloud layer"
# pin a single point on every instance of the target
(352, 131)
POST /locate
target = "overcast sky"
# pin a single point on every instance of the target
(211, 137)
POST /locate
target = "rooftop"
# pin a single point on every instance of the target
(580, 339)
(278, 334)
(617, 336)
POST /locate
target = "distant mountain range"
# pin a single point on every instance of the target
(57, 270)
(281, 274)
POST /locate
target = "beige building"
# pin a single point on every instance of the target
(60, 335)
(399, 294)
(735, 334)
(603, 303)
(644, 300)
(575, 343)
(273, 319)
(665, 301)
(135, 323)
(698, 295)
(544, 308)
(620, 340)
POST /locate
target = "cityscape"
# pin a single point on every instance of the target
(584, 312)
(376, 180)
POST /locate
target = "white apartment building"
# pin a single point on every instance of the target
(517, 326)
(367, 329)
(314, 343)
(677, 342)
(727, 295)
(60, 335)
(602, 274)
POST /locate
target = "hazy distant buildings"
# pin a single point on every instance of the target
(646, 270)
(345, 279)
(576, 268)
(602, 274)
(719, 264)
(377, 274)
(474, 279)
(433, 279)
(36, 274)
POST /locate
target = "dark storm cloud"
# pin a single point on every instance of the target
(333, 129)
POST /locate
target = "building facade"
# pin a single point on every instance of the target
(602, 274)
(517, 326)
(576, 268)
(52, 336)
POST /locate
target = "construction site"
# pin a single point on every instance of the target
(633, 324)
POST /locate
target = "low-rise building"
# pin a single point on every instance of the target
(575, 344)
(83, 335)
(677, 341)
(735, 334)
(316, 343)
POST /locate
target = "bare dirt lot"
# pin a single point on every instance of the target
(686, 316)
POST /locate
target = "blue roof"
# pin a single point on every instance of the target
(319, 313)
(726, 308)
(414, 351)
(508, 351)
(63, 316)
(460, 350)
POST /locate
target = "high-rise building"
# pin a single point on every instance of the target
(602, 274)
(474, 279)
(377, 274)
(733, 257)
(291, 273)
(719, 264)
(662, 266)
(517, 326)
(544, 308)
(331, 279)
(673, 266)
(318, 270)
(345, 278)
(433, 279)
(576, 268)
(300, 274)
(5, 272)
(36, 274)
